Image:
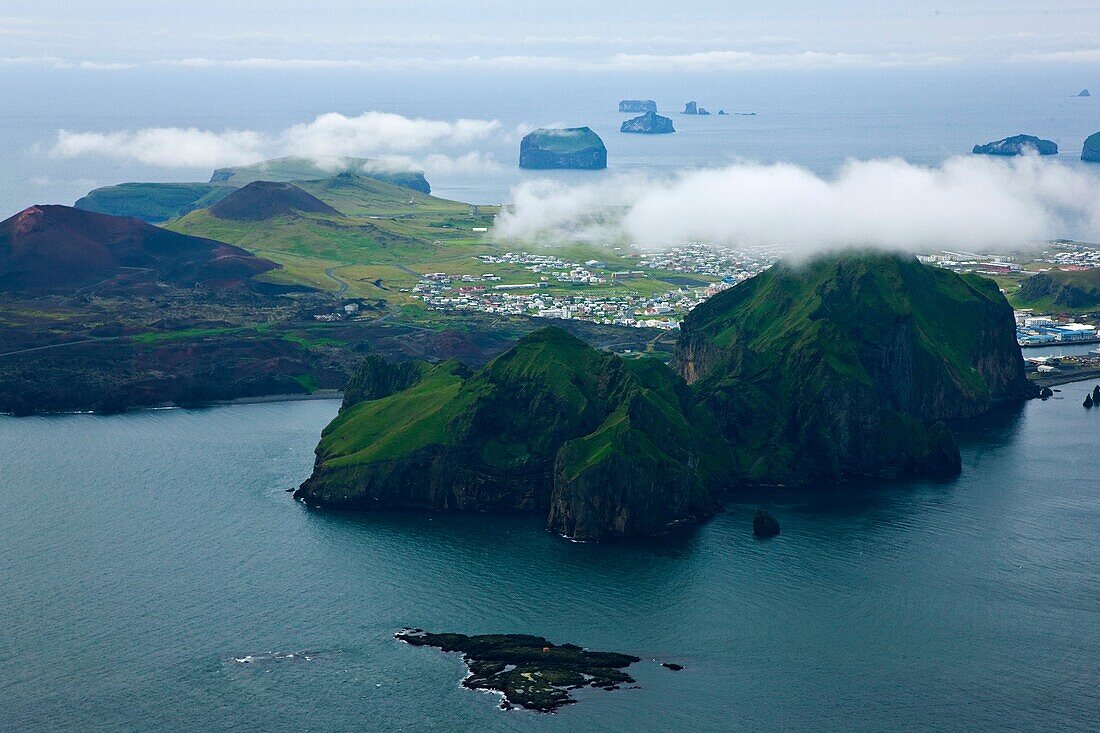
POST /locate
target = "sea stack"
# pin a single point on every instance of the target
(1084, 93)
(1018, 145)
(636, 106)
(571, 147)
(650, 123)
(692, 108)
(1090, 153)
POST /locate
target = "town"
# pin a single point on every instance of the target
(646, 290)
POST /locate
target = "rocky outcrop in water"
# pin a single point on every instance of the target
(1018, 145)
(650, 123)
(1090, 153)
(528, 671)
(764, 524)
(572, 147)
(1084, 93)
(637, 105)
(845, 366)
(692, 108)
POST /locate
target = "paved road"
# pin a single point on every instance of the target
(55, 346)
(331, 272)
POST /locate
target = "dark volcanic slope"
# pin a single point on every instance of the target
(59, 248)
(261, 200)
(843, 366)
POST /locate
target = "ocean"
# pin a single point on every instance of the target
(157, 576)
(817, 120)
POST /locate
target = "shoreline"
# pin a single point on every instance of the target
(321, 394)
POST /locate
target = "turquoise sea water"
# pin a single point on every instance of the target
(141, 555)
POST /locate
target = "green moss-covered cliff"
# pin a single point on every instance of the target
(846, 365)
(599, 445)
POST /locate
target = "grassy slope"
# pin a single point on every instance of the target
(385, 226)
(1058, 290)
(548, 390)
(153, 202)
(301, 169)
(561, 142)
(789, 332)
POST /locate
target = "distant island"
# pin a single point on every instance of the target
(570, 147)
(692, 108)
(1090, 152)
(1018, 145)
(650, 123)
(805, 374)
(1084, 93)
(637, 105)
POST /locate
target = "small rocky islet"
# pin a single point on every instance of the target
(649, 123)
(1018, 145)
(529, 671)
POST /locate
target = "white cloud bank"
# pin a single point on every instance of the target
(327, 137)
(970, 203)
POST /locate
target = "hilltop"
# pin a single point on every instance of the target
(302, 169)
(1071, 289)
(599, 445)
(263, 200)
(570, 147)
(153, 203)
(846, 365)
(60, 248)
(158, 203)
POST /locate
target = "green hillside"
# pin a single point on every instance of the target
(1055, 289)
(843, 366)
(375, 224)
(601, 445)
(302, 169)
(154, 203)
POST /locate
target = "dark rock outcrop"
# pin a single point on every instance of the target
(692, 108)
(764, 524)
(637, 105)
(376, 378)
(60, 249)
(572, 147)
(1046, 393)
(650, 123)
(845, 366)
(1018, 145)
(1096, 394)
(601, 446)
(1084, 93)
(1088, 401)
(1090, 153)
(528, 670)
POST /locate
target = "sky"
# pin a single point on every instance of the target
(628, 35)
